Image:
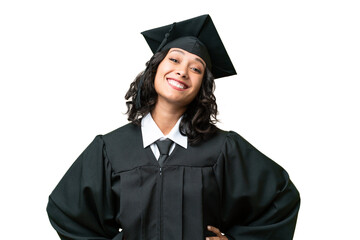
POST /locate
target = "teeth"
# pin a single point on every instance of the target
(176, 84)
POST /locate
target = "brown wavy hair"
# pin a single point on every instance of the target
(199, 119)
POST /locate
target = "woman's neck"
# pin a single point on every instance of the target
(166, 117)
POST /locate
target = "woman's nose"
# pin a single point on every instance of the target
(182, 72)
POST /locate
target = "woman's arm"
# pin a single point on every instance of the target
(259, 201)
(82, 204)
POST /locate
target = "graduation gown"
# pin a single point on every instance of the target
(224, 182)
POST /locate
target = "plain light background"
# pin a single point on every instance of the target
(65, 67)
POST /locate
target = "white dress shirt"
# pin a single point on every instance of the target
(151, 133)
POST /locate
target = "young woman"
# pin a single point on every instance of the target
(170, 174)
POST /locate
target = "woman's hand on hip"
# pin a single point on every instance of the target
(219, 235)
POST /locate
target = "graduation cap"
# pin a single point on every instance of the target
(196, 35)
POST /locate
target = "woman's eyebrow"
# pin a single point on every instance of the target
(179, 51)
(201, 61)
(183, 53)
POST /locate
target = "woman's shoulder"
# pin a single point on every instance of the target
(220, 141)
(227, 136)
(125, 131)
(125, 136)
(232, 137)
(240, 148)
(235, 142)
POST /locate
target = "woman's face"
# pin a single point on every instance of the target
(178, 77)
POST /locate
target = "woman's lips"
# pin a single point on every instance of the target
(178, 85)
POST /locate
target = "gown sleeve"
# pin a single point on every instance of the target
(259, 201)
(82, 205)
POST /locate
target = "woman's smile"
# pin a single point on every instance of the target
(176, 84)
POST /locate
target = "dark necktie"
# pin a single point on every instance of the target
(164, 148)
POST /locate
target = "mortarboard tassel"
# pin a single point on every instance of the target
(165, 40)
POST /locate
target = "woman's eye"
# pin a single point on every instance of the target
(174, 60)
(197, 70)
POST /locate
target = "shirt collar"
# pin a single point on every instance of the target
(151, 132)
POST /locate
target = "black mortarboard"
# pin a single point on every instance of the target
(196, 35)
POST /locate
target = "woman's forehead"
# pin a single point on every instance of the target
(187, 54)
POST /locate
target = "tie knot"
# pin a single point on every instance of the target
(164, 146)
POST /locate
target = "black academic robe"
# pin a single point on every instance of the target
(224, 182)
